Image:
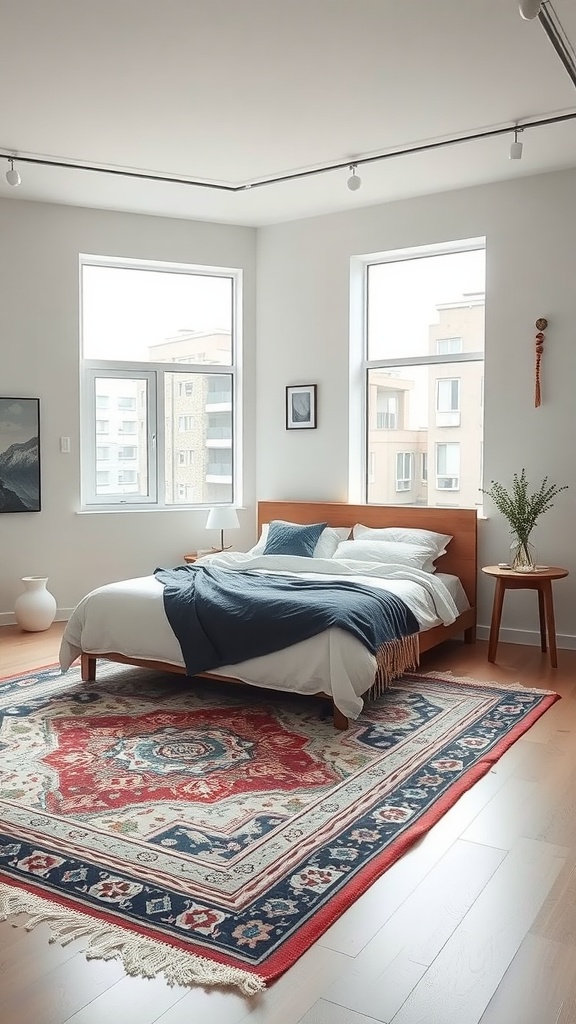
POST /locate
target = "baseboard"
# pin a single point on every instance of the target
(528, 637)
(9, 619)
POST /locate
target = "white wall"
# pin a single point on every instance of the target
(303, 337)
(39, 357)
(302, 288)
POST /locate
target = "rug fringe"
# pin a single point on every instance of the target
(451, 677)
(140, 956)
(392, 660)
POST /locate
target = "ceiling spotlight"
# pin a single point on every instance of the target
(530, 9)
(354, 181)
(12, 176)
(516, 147)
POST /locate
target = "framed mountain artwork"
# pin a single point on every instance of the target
(19, 454)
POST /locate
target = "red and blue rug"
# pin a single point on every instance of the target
(214, 833)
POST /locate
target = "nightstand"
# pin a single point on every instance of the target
(539, 580)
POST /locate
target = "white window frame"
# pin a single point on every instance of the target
(446, 481)
(154, 374)
(360, 365)
(403, 481)
(448, 413)
(448, 346)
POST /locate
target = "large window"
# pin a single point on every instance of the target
(160, 353)
(423, 371)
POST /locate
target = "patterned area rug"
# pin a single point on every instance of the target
(214, 833)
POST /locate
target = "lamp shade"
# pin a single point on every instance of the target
(223, 517)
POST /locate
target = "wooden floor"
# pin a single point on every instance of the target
(477, 923)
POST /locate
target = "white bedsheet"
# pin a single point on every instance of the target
(128, 618)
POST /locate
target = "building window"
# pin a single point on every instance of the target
(136, 318)
(102, 454)
(448, 402)
(424, 467)
(403, 471)
(448, 466)
(386, 410)
(421, 318)
(447, 346)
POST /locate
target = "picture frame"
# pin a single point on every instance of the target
(301, 407)
(20, 455)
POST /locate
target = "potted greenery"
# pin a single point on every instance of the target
(522, 510)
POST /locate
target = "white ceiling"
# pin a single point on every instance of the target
(235, 90)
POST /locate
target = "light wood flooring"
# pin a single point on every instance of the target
(475, 925)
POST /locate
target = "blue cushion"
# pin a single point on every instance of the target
(288, 539)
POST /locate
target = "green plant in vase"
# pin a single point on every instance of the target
(522, 510)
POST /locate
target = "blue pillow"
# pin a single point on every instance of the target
(288, 539)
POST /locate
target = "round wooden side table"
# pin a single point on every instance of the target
(539, 580)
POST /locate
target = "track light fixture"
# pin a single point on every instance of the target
(516, 147)
(12, 176)
(354, 181)
(530, 9)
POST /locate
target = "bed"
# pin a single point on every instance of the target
(125, 621)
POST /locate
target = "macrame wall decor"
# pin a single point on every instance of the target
(541, 325)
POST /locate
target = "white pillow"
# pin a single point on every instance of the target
(435, 542)
(326, 545)
(385, 552)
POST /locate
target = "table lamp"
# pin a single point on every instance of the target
(223, 517)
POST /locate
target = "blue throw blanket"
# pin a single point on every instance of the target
(221, 617)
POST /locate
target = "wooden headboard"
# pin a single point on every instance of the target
(460, 558)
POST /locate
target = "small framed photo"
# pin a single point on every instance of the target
(301, 407)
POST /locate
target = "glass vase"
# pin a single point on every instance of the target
(522, 555)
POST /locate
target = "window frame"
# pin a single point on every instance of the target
(446, 475)
(361, 365)
(404, 455)
(155, 376)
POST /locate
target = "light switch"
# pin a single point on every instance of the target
(65, 445)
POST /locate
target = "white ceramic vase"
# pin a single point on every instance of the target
(35, 609)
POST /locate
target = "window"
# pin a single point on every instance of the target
(421, 320)
(160, 352)
(102, 454)
(403, 471)
(448, 466)
(386, 410)
(448, 402)
(424, 467)
(446, 346)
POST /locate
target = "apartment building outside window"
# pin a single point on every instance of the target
(161, 352)
(423, 314)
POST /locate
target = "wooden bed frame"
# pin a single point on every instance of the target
(460, 560)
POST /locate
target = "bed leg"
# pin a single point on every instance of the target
(340, 720)
(88, 668)
(470, 635)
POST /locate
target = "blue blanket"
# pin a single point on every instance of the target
(222, 617)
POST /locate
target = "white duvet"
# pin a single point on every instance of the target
(128, 618)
